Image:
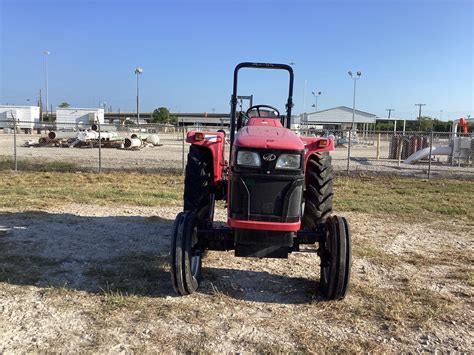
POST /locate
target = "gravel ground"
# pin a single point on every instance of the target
(169, 157)
(81, 278)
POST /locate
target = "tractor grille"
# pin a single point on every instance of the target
(266, 198)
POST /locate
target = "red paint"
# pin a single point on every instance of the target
(265, 122)
(264, 226)
(464, 125)
(311, 146)
(264, 137)
(216, 146)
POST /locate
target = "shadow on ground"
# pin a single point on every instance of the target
(126, 254)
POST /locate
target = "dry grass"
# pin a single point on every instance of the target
(398, 294)
(404, 197)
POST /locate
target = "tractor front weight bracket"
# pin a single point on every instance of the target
(222, 239)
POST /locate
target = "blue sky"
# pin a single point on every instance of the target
(409, 51)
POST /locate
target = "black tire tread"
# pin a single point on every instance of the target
(318, 190)
(198, 181)
(340, 262)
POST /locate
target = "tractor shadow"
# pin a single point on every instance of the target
(126, 254)
(259, 286)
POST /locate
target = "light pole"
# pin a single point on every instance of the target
(354, 77)
(46, 54)
(138, 71)
(316, 95)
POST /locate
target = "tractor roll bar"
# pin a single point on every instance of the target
(233, 109)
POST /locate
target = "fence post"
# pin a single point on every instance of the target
(378, 147)
(14, 141)
(348, 153)
(431, 151)
(400, 148)
(100, 147)
(182, 150)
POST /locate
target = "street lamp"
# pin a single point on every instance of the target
(354, 77)
(316, 95)
(138, 71)
(46, 54)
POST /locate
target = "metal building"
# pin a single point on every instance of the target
(338, 118)
(78, 118)
(27, 117)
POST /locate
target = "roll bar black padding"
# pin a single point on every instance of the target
(233, 102)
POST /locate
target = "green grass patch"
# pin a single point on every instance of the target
(7, 164)
(405, 196)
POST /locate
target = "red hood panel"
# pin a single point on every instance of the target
(268, 138)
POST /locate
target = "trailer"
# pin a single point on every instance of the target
(72, 119)
(27, 117)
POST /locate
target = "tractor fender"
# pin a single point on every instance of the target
(215, 142)
(316, 145)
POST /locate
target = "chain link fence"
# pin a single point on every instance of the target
(82, 146)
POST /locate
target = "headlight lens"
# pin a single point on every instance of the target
(288, 161)
(246, 158)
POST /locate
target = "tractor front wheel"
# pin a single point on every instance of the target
(186, 257)
(336, 258)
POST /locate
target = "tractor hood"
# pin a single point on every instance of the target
(268, 138)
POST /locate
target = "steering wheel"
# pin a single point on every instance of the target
(258, 107)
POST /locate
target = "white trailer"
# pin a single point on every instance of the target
(27, 117)
(68, 119)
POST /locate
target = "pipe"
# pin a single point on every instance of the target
(142, 136)
(153, 139)
(54, 135)
(92, 135)
(130, 143)
(104, 127)
(421, 154)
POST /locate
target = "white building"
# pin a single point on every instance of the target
(78, 118)
(338, 118)
(27, 117)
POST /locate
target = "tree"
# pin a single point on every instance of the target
(162, 115)
(64, 105)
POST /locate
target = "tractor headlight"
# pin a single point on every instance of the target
(246, 158)
(288, 161)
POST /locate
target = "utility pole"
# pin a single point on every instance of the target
(390, 115)
(419, 111)
(390, 111)
(419, 115)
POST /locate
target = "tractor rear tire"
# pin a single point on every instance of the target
(336, 258)
(318, 190)
(186, 260)
(198, 183)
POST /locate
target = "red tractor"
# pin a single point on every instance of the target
(278, 189)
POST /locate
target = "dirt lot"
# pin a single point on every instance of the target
(94, 277)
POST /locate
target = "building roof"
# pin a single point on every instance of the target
(340, 114)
